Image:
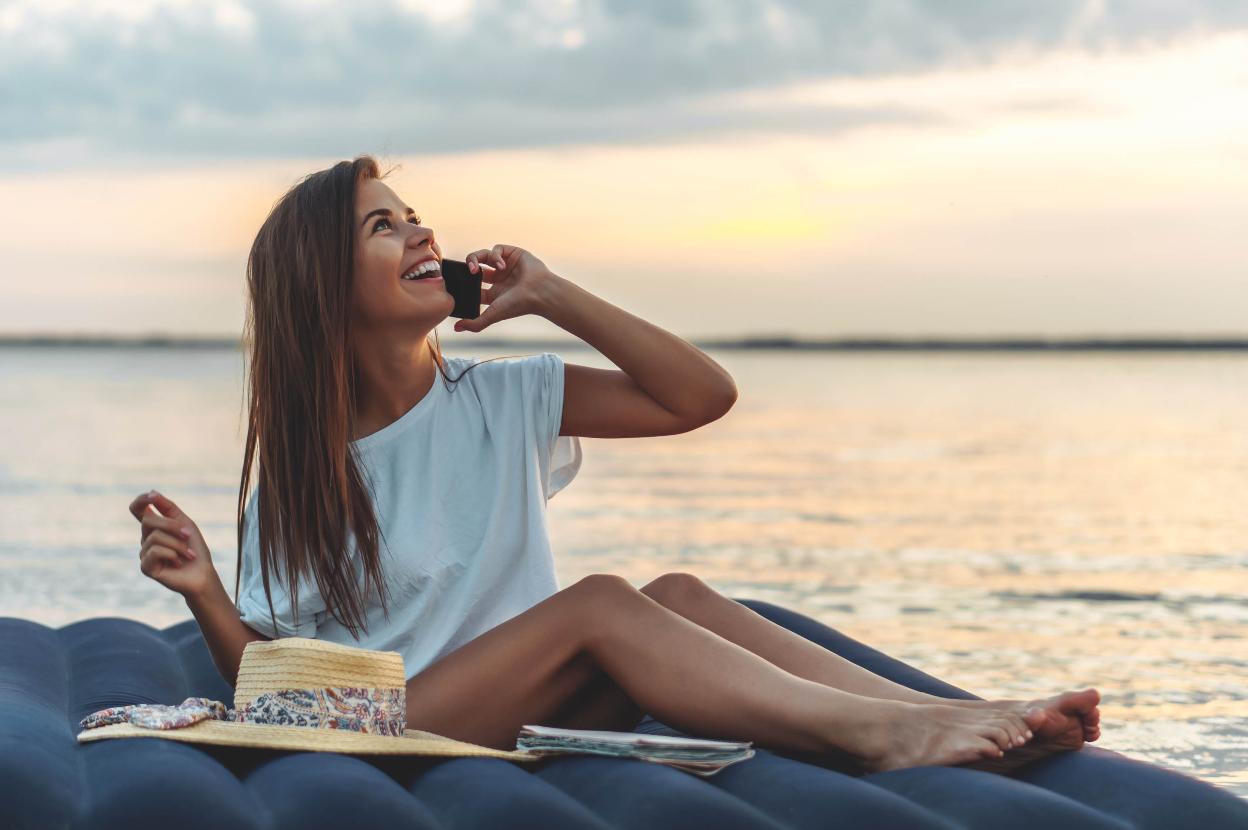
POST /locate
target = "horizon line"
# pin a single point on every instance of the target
(761, 341)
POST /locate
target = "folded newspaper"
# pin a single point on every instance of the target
(697, 755)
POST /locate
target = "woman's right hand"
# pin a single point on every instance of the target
(175, 558)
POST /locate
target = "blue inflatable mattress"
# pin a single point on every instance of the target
(51, 678)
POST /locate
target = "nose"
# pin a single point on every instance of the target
(419, 234)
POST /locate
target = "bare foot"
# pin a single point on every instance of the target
(1062, 729)
(1061, 709)
(897, 735)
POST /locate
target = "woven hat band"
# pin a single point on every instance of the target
(307, 663)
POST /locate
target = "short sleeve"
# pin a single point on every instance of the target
(253, 608)
(558, 456)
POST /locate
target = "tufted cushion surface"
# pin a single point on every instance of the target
(51, 678)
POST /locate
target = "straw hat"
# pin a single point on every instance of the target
(301, 694)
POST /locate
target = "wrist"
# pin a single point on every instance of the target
(551, 294)
(205, 595)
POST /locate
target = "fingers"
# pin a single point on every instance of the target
(495, 257)
(154, 521)
(139, 505)
(170, 542)
(155, 558)
(486, 256)
(159, 500)
(485, 318)
(166, 506)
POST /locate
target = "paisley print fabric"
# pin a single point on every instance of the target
(371, 711)
(158, 716)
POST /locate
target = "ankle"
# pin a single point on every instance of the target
(862, 726)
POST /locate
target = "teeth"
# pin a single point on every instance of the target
(422, 269)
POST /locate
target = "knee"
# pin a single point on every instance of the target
(604, 588)
(675, 588)
(600, 601)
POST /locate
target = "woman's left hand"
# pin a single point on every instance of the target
(517, 280)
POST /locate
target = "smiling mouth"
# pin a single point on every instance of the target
(433, 272)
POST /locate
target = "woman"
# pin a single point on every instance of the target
(360, 445)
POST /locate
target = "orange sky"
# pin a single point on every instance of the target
(1065, 194)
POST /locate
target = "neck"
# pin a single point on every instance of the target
(391, 378)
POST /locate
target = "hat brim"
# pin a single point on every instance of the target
(306, 738)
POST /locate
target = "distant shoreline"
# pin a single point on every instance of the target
(743, 343)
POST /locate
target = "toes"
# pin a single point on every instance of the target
(1035, 718)
(990, 750)
(1024, 729)
(1079, 702)
(1001, 736)
(1018, 729)
(982, 750)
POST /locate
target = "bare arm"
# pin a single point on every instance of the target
(677, 375)
(175, 554)
(225, 634)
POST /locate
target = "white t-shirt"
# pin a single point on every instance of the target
(460, 482)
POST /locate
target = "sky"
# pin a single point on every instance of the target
(812, 168)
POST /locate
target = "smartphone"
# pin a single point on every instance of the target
(464, 286)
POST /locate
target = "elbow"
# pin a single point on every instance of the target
(710, 407)
(718, 406)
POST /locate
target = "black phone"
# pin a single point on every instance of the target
(464, 286)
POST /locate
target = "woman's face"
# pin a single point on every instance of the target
(387, 245)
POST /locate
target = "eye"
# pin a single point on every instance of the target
(415, 220)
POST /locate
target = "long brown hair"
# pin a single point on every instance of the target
(302, 396)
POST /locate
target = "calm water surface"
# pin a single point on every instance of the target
(1014, 523)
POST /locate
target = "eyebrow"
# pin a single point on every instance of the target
(382, 211)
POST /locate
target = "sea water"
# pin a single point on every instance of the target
(1016, 524)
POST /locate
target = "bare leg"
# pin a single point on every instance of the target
(526, 669)
(597, 703)
(696, 601)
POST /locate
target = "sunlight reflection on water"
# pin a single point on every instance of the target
(1015, 524)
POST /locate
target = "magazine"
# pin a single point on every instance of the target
(696, 755)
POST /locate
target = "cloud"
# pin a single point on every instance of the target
(178, 81)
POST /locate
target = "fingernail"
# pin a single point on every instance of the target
(472, 266)
(190, 553)
(185, 531)
(501, 264)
